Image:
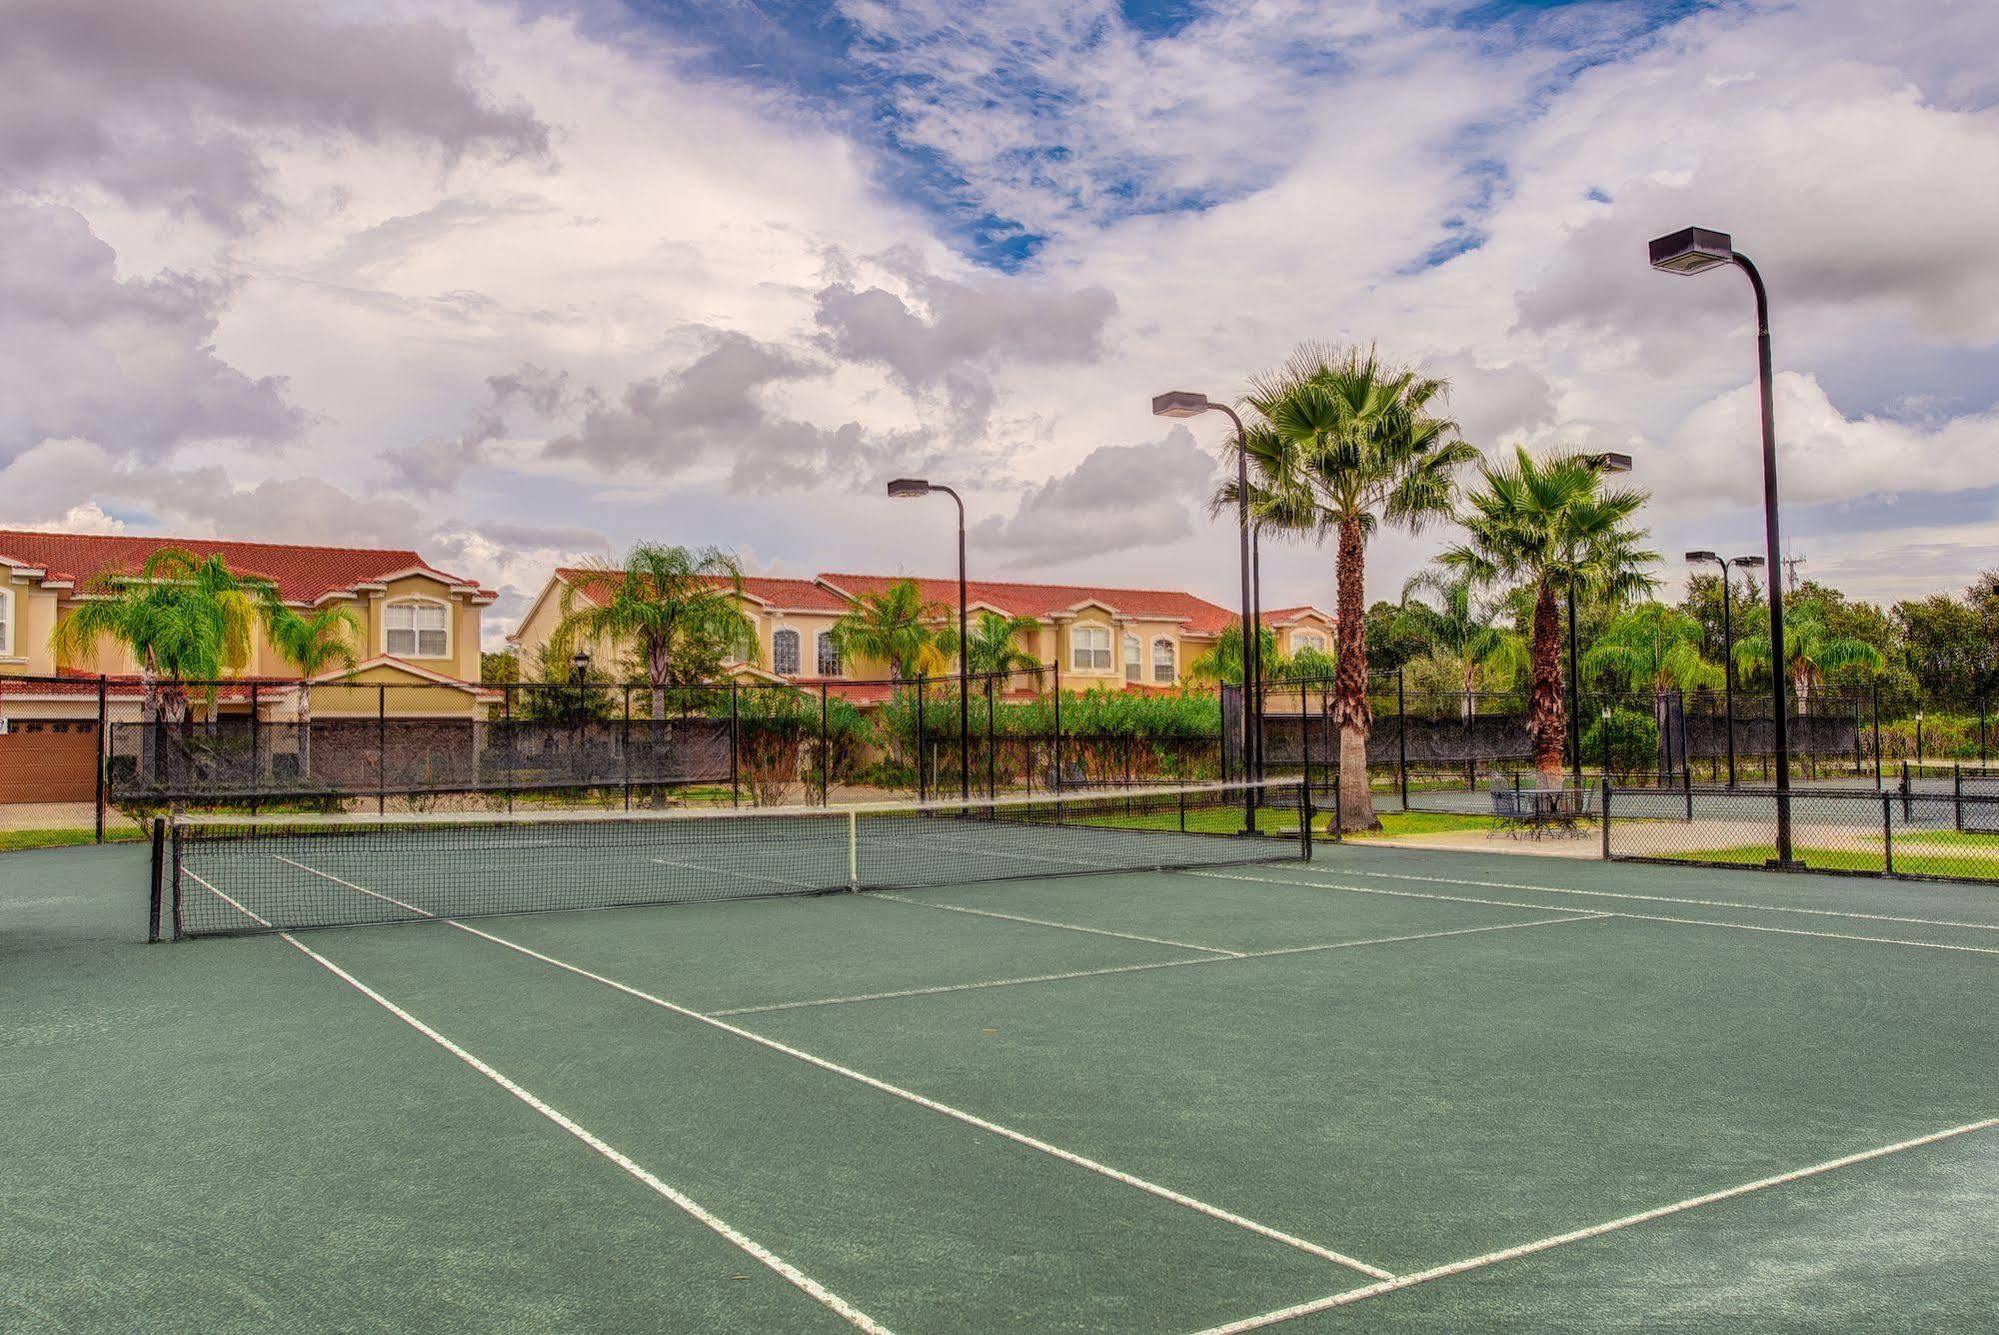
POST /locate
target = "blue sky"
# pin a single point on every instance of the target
(523, 281)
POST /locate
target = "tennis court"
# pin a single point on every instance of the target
(1024, 1080)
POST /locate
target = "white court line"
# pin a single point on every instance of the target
(1636, 917)
(1161, 964)
(853, 1315)
(1044, 922)
(1594, 1231)
(895, 1091)
(1668, 899)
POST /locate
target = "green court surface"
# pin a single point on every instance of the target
(1388, 1090)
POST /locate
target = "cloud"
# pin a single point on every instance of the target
(1118, 498)
(166, 105)
(127, 362)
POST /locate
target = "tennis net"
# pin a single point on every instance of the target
(227, 875)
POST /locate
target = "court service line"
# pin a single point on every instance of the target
(1160, 964)
(790, 1273)
(896, 1091)
(1669, 899)
(1045, 922)
(1636, 917)
(1416, 1277)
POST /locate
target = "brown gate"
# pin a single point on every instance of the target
(52, 760)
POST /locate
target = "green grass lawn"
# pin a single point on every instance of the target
(13, 841)
(1396, 823)
(1940, 853)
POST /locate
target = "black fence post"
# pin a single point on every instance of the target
(104, 756)
(922, 747)
(1057, 772)
(1877, 733)
(1305, 733)
(1982, 701)
(1605, 822)
(1957, 796)
(992, 743)
(1687, 788)
(382, 750)
(1401, 739)
(825, 754)
(507, 738)
(158, 880)
(735, 751)
(1908, 805)
(1887, 835)
(625, 741)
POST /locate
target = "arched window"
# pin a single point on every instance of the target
(1090, 649)
(829, 655)
(417, 628)
(784, 653)
(1134, 664)
(6, 623)
(1162, 663)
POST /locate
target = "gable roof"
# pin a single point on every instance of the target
(302, 574)
(789, 595)
(1043, 601)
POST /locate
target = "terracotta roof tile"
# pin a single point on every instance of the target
(302, 574)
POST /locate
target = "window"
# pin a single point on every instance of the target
(6, 623)
(1308, 639)
(1162, 663)
(784, 653)
(418, 628)
(1134, 665)
(829, 655)
(1090, 649)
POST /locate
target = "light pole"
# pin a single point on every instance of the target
(1727, 639)
(1184, 403)
(912, 486)
(1608, 462)
(1696, 250)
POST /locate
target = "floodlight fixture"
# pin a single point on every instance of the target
(1180, 403)
(909, 486)
(1692, 250)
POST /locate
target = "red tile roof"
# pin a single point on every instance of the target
(1284, 614)
(1043, 600)
(302, 574)
(792, 595)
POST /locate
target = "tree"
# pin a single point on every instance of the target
(1392, 641)
(182, 618)
(1946, 643)
(1653, 645)
(501, 668)
(1343, 444)
(898, 627)
(995, 643)
(1554, 525)
(1749, 613)
(1461, 631)
(311, 641)
(679, 609)
(1812, 648)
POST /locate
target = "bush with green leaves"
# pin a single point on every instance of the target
(1633, 737)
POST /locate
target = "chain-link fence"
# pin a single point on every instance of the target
(1938, 822)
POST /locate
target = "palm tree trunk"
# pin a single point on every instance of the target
(1547, 717)
(1350, 710)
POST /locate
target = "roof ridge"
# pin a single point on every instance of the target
(1013, 583)
(170, 540)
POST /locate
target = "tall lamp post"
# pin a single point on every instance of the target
(914, 486)
(1696, 250)
(1184, 403)
(1602, 463)
(1725, 564)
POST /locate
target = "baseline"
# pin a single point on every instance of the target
(1637, 917)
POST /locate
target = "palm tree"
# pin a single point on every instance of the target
(995, 644)
(1812, 648)
(1220, 664)
(1553, 525)
(1461, 631)
(1343, 444)
(1653, 645)
(312, 642)
(182, 618)
(897, 627)
(679, 609)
